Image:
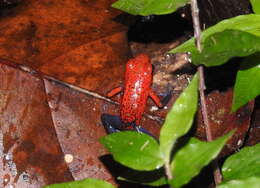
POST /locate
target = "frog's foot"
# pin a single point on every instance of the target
(114, 124)
(142, 130)
(166, 98)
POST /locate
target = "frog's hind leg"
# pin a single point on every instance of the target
(142, 130)
(112, 123)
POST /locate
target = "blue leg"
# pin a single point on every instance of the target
(142, 130)
(112, 123)
(166, 98)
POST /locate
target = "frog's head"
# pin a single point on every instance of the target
(140, 64)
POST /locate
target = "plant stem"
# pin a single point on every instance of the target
(217, 173)
(168, 170)
(196, 23)
(202, 87)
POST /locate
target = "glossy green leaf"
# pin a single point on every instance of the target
(149, 7)
(247, 23)
(152, 178)
(135, 150)
(191, 158)
(161, 181)
(220, 47)
(256, 6)
(179, 119)
(247, 85)
(87, 183)
(244, 164)
(252, 182)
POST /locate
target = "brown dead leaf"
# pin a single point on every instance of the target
(94, 66)
(30, 151)
(222, 121)
(70, 40)
(254, 133)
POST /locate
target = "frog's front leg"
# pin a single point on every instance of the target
(160, 102)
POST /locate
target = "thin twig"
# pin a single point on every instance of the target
(202, 87)
(81, 90)
(196, 23)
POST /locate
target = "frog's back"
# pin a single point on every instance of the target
(138, 79)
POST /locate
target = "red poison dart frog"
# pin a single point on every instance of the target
(136, 90)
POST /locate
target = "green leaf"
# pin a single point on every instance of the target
(256, 6)
(191, 158)
(87, 183)
(179, 119)
(247, 23)
(149, 7)
(134, 150)
(152, 178)
(244, 164)
(252, 182)
(247, 84)
(220, 47)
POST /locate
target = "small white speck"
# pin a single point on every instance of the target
(135, 105)
(8, 157)
(168, 55)
(68, 158)
(131, 66)
(239, 142)
(159, 166)
(5, 180)
(154, 108)
(25, 68)
(183, 15)
(135, 95)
